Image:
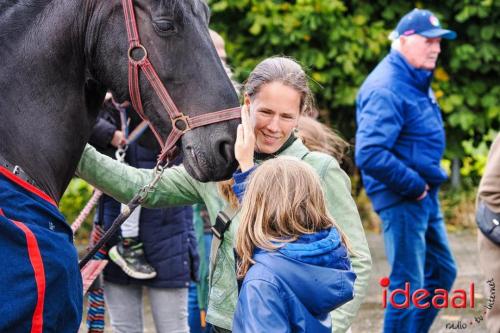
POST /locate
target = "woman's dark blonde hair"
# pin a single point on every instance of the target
(284, 70)
(283, 201)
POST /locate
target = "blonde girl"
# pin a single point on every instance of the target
(292, 255)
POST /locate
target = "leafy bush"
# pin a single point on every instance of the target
(340, 42)
(74, 199)
(459, 208)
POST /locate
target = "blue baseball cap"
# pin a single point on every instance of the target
(422, 22)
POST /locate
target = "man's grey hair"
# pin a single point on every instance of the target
(396, 44)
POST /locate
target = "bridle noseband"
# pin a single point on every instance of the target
(180, 122)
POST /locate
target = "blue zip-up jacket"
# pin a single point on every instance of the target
(400, 138)
(295, 288)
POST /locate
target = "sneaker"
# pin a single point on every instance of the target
(129, 255)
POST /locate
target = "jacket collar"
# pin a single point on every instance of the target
(420, 78)
(288, 143)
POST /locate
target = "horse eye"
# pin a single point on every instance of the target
(165, 26)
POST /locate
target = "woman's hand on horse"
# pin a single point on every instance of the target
(245, 141)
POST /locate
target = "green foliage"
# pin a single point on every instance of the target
(74, 199)
(340, 42)
(470, 98)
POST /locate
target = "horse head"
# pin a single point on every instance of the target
(174, 36)
(58, 59)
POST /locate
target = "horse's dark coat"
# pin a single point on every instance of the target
(57, 59)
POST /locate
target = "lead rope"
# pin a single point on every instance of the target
(95, 302)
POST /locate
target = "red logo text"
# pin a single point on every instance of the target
(440, 297)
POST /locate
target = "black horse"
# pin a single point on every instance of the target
(57, 60)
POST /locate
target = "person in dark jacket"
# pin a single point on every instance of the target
(169, 245)
(110, 138)
(400, 141)
(293, 257)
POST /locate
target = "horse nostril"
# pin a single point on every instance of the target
(226, 150)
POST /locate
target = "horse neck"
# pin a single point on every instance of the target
(45, 116)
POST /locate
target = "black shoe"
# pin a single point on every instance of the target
(129, 255)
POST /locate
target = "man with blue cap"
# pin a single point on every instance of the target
(400, 141)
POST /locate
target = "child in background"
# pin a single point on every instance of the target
(292, 255)
(107, 136)
(316, 136)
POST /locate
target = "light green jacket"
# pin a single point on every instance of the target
(176, 187)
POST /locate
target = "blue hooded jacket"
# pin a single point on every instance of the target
(400, 137)
(295, 288)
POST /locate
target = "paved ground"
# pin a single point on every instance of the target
(371, 314)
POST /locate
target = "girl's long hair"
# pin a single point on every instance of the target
(319, 137)
(283, 201)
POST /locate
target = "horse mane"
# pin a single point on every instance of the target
(197, 6)
(15, 15)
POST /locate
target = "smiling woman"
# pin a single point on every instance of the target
(275, 114)
(277, 93)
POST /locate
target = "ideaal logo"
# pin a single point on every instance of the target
(440, 299)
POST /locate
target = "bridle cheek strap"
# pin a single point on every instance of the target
(180, 122)
(184, 124)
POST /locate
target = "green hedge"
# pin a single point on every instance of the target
(340, 42)
(74, 199)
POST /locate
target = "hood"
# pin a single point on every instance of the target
(316, 268)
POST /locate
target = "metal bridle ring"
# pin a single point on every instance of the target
(181, 124)
(132, 49)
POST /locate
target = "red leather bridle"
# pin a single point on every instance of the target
(180, 122)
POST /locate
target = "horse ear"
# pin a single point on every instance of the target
(206, 10)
